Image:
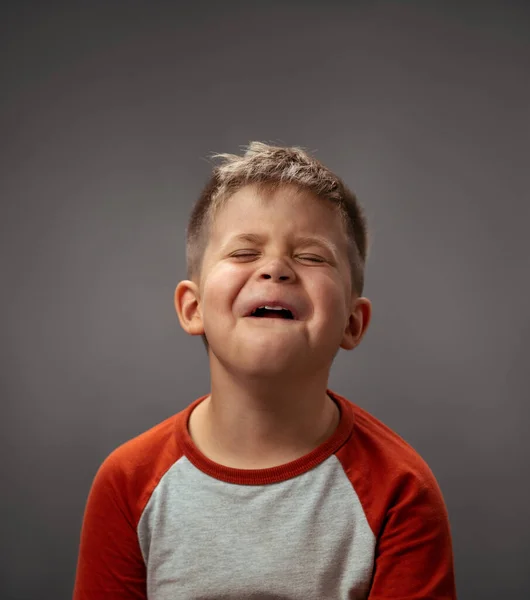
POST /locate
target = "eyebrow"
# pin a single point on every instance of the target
(318, 241)
(305, 241)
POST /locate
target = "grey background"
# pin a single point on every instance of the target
(108, 114)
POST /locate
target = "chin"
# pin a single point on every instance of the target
(257, 370)
(265, 360)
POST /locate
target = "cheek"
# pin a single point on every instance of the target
(220, 290)
(328, 296)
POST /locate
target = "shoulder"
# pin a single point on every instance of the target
(405, 509)
(375, 444)
(386, 471)
(136, 453)
(386, 448)
(110, 557)
(130, 473)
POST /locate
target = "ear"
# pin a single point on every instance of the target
(187, 305)
(360, 315)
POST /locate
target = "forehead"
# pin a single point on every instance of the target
(287, 210)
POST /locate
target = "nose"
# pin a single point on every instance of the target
(277, 270)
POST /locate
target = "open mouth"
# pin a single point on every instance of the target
(272, 313)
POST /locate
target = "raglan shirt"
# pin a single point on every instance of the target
(359, 517)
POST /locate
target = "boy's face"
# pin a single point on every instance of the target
(284, 248)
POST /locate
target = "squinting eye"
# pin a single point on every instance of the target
(317, 259)
(243, 254)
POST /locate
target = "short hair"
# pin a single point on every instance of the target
(271, 167)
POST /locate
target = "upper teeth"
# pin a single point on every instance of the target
(273, 307)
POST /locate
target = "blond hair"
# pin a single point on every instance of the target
(273, 166)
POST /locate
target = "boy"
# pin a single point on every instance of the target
(272, 485)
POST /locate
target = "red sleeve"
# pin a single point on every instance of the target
(110, 563)
(405, 509)
(414, 558)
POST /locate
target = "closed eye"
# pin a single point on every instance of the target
(312, 258)
(249, 254)
(243, 254)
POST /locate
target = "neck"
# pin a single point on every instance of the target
(258, 423)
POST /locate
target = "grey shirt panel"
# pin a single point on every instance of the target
(301, 539)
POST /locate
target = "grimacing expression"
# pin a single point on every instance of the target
(278, 249)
